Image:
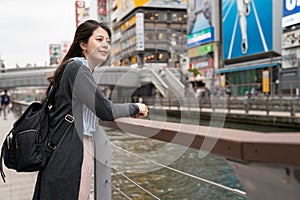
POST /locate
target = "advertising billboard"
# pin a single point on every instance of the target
(55, 52)
(122, 7)
(200, 37)
(82, 13)
(290, 39)
(199, 26)
(102, 7)
(64, 46)
(199, 15)
(290, 58)
(291, 13)
(140, 46)
(247, 27)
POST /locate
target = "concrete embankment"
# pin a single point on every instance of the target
(277, 119)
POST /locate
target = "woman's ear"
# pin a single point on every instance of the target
(83, 46)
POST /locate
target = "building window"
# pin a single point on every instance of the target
(175, 17)
(149, 35)
(156, 57)
(149, 16)
(161, 36)
(156, 14)
(162, 17)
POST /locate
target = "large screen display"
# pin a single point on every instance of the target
(247, 27)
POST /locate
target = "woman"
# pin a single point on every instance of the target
(67, 175)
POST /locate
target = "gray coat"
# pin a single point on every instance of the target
(60, 178)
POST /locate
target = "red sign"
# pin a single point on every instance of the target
(102, 7)
(79, 10)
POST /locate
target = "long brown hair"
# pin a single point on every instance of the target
(83, 32)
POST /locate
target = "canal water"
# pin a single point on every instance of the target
(168, 184)
(163, 182)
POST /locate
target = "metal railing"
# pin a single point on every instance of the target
(246, 104)
(247, 151)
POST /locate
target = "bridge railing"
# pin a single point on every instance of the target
(248, 152)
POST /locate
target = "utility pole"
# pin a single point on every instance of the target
(218, 44)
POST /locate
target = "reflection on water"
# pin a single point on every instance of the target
(164, 183)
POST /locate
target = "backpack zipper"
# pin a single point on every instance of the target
(22, 132)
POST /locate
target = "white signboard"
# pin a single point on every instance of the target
(290, 58)
(291, 39)
(140, 32)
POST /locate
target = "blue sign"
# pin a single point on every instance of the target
(200, 37)
(247, 27)
(291, 12)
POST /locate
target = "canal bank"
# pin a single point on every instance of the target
(281, 121)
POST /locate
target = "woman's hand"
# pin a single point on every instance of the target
(143, 111)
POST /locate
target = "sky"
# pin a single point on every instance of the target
(29, 26)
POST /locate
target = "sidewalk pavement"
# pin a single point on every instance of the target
(18, 186)
(232, 111)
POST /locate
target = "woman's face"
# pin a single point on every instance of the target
(98, 47)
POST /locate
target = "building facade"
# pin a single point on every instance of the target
(148, 33)
(246, 38)
(290, 73)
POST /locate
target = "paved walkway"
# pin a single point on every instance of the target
(18, 186)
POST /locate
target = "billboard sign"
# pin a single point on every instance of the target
(199, 15)
(123, 7)
(266, 81)
(201, 37)
(82, 13)
(102, 7)
(55, 53)
(200, 50)
(291, 13)
(290, 58)
(247, 27)
(64, 46)
(290, 39)
(140, 31)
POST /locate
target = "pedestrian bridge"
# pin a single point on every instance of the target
(106, 76)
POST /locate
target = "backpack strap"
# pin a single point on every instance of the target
(1, 166)
(58, 134)
(53, 88)
(62, 127)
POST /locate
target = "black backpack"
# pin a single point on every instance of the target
(5, 99)
(28, 145)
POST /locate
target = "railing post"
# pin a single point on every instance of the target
(293, 107)
(267, 105)
(246, 104)
(102, 163)
(228, 103)
(200, 103)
